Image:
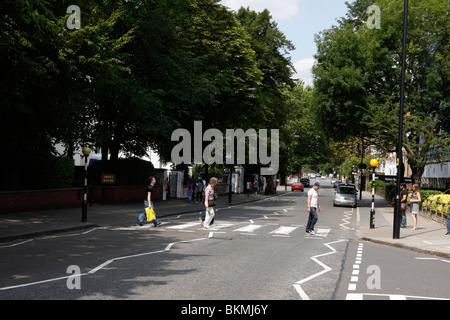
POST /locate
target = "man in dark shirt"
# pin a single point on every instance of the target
(403, 204)
(148, 203)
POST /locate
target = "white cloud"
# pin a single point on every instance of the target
(304, 70)
(279, 9)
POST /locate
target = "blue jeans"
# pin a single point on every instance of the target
(143, 215)
(313, 217)
(448, 222)
(403, 218)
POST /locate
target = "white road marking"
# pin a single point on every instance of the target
(320, 233)
(283, 230)
(184, 226)
(355, 273)
(437, 259)
(298, 284)
(101, 266)
(347, 216)
(250, 228)
(360, 296)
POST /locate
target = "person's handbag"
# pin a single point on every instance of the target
(150, 214)
(403, 206)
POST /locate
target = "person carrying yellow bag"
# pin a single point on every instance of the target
(148, 206)
(150, 213)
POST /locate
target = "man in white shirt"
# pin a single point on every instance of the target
(313, 205)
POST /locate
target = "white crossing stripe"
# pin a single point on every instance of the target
(250, 228)
(283, 230)
(185, 226)
(221, 226)
(320, 233)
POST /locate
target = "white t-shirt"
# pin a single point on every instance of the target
(314, 196)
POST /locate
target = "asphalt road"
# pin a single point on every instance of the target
(257, 251)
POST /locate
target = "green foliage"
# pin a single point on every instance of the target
(303, 139)
(378, 185)
(432, 202)
(134, 72)
(61, 173)
(358, 78)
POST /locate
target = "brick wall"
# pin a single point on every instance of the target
(40, 199)
(20, 201)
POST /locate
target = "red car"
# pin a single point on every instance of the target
(297, 186)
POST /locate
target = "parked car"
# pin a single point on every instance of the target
(336, 183)
(346, 195)
(297, 186)
(305, 181)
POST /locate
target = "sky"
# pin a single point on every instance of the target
(299, 20)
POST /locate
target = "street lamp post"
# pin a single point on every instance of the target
(86, 151)
(397, 214)
(230, 190)
(373, 164)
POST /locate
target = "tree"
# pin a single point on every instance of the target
(358, 73)
(304, 140)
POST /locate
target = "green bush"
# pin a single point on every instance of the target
(431, 202)
(425, 194)
(61, 173)
(378, 184)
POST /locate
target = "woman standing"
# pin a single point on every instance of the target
(415, 201)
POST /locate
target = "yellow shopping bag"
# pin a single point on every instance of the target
(150, 214)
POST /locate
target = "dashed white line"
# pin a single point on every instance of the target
(355, 272)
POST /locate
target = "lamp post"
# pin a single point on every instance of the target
(373, 164)
(230, 185)
(397, 214)
(86, 151)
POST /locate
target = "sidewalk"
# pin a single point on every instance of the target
(429, 238)
(26, 225)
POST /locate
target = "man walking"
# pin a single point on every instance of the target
(209, 203)
(313, 206)
(148, 203)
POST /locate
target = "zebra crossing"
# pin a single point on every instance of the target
(250, 228)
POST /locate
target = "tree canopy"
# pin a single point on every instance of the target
(358, 78)
(131, 74)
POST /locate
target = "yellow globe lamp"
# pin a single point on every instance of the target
(374, 163)
(86, 151)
